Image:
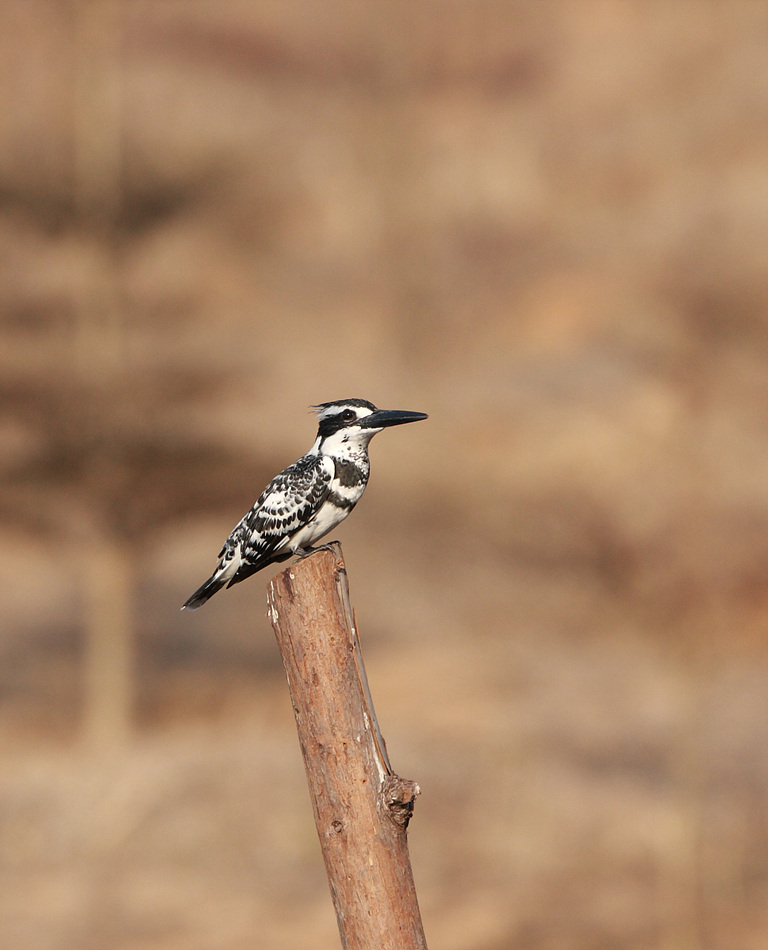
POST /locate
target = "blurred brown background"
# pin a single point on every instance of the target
(546, 225)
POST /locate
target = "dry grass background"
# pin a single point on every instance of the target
(545, 224)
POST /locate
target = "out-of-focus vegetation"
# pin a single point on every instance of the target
(546, 225)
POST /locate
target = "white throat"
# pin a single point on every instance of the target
(346, 443)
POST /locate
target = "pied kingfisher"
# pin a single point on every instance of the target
(307, 500)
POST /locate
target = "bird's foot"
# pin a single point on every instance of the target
(305, 552)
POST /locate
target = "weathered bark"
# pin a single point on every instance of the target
(361, 807)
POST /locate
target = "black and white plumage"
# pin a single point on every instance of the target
(307, 500)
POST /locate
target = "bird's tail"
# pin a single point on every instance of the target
(205, 592)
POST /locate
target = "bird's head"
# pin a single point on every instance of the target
(352, 423)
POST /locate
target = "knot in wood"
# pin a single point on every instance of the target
(399, 796)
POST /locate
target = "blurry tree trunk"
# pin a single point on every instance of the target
(107, 578)
(361, 807)
(99, 356)
(97, 123)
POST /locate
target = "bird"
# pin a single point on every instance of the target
(309, 498)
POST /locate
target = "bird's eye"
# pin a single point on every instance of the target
(348, 415)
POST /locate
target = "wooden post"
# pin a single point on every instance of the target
(361, 807)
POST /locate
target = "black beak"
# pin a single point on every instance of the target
(390, 417)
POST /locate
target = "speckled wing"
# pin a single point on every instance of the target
(285, 505)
